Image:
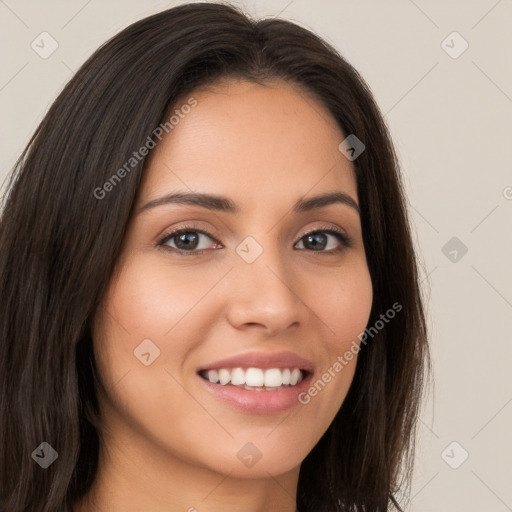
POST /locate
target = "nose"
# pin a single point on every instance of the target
(266, 294)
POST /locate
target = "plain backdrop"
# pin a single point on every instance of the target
(441, 74)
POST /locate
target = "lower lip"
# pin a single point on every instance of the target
(261, 402)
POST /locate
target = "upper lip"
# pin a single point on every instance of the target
(264, 360)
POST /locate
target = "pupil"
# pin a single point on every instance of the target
(187, 237)
(311, 239)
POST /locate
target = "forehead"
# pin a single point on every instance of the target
(261, 144)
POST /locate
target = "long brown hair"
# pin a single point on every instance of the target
(60, 242)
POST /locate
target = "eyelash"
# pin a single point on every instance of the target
(342, 237)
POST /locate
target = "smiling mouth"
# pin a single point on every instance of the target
(256, 379)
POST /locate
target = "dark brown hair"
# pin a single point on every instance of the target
(59, 245)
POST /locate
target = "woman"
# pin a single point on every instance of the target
(210, 293)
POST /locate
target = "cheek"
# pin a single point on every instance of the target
(153, 300)
(152, 296)
(344, 309)
(344, 302)
(160, 308)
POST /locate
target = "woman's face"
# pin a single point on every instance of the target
(251, 288)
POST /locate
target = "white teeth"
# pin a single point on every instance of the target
(270, 379)
(224, 376)
(213, 375)
(273, 378)
(294, 377)
(254, 377)
(237, 377)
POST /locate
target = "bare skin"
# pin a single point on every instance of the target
(170, 445)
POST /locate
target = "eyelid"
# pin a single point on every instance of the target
(327, 227)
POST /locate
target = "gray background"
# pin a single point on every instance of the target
(451, 123)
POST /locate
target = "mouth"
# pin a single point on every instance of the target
(258, 383)
(256, 379)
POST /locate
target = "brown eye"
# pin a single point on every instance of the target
(187, 239)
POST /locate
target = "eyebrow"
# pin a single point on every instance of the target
(224, 204)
